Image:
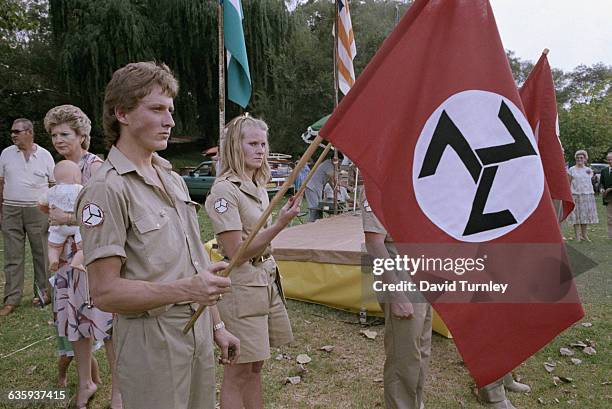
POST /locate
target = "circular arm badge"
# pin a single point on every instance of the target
(221, 206)
(92, 215)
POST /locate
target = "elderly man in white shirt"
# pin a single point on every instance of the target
(26, 172)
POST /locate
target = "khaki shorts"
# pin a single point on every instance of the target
(257, 316)
(159, 367)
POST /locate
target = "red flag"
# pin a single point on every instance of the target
(540, 102)
(436, 125)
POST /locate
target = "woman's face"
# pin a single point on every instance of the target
(580, 159)
(65, 140)
(254, 148)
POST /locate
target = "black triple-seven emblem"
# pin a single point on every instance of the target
(481, 163)
(92, 215)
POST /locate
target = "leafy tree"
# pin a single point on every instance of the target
(64, 51)
(96, 38)
(28, 71)
(306, 68)
(585, 84)
(587, 126)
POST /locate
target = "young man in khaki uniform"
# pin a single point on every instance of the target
(141, 242)
(407, 328)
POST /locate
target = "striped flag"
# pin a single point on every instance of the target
(346, 48)
(238, 76)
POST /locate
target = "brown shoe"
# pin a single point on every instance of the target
(7, 309)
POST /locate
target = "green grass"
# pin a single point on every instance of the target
(349, 376)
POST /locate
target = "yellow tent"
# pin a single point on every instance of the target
(321, 263)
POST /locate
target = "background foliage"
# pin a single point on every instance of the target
(64, 51)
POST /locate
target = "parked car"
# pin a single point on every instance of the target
(200, 179)
(597, 168)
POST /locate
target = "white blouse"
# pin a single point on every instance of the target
(581, 180)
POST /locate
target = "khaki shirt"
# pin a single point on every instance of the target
(124, 214)
(371, 224)
(237, 204)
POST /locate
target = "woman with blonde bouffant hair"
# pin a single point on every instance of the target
(255, 310)
(585, 212)
(76, 320)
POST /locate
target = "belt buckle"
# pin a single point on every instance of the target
(258, 260)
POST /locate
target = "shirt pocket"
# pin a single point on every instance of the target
(157, 240)
(40, 179)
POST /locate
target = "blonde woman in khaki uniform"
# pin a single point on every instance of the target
(255, 309)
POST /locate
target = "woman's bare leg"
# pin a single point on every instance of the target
(583, 231)
(62, 370)
(116, 402)
(82, 354)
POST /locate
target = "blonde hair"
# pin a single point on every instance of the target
(128, 86)
(232, 155)
(74, 118)
(581, 152)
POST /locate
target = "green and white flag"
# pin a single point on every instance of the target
(238, 77)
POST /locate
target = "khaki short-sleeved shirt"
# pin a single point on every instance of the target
(236, 204)
(371, 224)
(156, 233)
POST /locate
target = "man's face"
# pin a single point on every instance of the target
(609, 159)
(21, 136)
(151, 121)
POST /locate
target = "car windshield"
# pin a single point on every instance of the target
(204, 169)
(598, 167)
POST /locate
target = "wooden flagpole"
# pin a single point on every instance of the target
(262, 220)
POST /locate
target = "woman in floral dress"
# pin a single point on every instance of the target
(76, 318)
(585, 212)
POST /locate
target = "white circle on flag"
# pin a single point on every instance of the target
(448, 195)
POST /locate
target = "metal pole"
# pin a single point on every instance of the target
(221, 53)
(336, 86)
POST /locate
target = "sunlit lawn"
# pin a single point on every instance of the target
(350, 376)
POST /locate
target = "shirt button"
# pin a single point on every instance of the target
(195, 263)
(157, 225)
